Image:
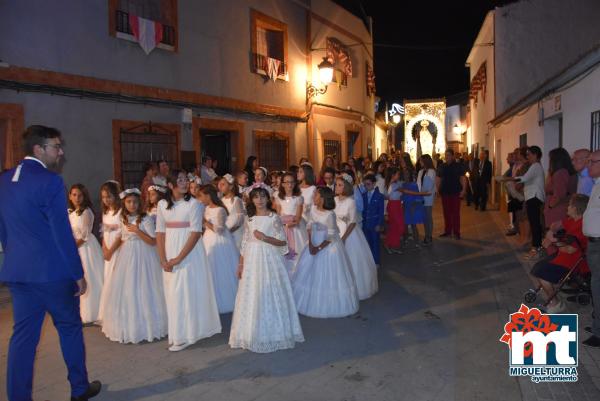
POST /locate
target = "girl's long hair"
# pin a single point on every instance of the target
(295, 190)
(309, 174)
(139, 212)
(113, 188)
(172, 179)
(251, 208)
(87, 201)
(390, 172)
(427, 163)
(559, 159)
(161, 196)
(211, 191)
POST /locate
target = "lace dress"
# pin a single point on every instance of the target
(265, 318)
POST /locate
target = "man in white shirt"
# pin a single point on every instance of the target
(329, 178)
(591, 229)
(207, 174)
(584, 181)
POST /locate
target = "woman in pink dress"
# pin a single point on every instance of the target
(560, 185)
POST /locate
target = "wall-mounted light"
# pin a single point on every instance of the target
(325, 76)
(396, 118)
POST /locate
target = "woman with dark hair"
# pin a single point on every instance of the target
(306, 178)
(251, 166)
(395, 211)
(150, 170)
(328, 163)
(323, 282)
(189, 293)
(221, 252)
(560, 185)
(535, 196)
(81, 218)
(265, 318)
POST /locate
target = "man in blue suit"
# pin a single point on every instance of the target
(41, 267)
(373, 215)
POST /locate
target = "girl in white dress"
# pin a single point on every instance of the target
(289, 205)
(357, 247)
(306, 178)
(111, 225)
(155, 194)
(260, 181)
(189, 292)
(134, 307)
(81, 218)
(323, 282)
(235, 208)
(265, 318)
(221, 252)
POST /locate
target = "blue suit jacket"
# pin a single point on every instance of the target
(34, 227)
(373, 213)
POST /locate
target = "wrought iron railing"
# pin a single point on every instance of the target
(123, 25)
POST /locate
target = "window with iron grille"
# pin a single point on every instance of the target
(141, 144)
(161, 11)
(272, 149)
(332, 148)
(269, 46)
(595, 135)
(352, 138)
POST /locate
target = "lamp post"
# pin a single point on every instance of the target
(325, 77)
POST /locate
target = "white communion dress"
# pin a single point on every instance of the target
(223, 258)
(357, 247)
(296, 236)
(134, 308)
(189, 292)
(235, 218)
(308, 195)
(90, 253)
(265, 318)
(323, 284)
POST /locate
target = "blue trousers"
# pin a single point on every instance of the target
(30, 302)
(373, 238)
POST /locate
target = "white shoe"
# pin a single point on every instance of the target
(180, 347)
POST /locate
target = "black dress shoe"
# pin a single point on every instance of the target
(444, 235)
(588, 329)
(92, 391)
(593, 341)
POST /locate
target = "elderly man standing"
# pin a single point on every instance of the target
(591, 229)
(584, 181)
(41, 267)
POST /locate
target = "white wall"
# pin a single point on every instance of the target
(537, 39)
(485, 109)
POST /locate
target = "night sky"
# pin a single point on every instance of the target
(433, 38)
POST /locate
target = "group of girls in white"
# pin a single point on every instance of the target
(170, 261)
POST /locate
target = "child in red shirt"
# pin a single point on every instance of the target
(567, 253)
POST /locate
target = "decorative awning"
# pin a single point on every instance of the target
(337, 52)
(478, 83)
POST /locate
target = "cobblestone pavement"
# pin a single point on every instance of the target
(431, 333)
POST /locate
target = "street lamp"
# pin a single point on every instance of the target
(396, 118)
(325, 77)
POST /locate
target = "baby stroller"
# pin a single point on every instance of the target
(582, 293)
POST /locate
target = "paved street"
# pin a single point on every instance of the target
(431, 333)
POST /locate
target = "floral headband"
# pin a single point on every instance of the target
(264, 170)
(113, 182)
(306, 164)
(130, 191)
(158, 188)
(347, 178)
(229, 178)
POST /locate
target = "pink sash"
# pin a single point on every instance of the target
(289, 233)
(110, 227)
(177, 224)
